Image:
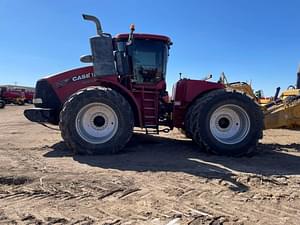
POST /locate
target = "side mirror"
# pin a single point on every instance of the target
(86, 59)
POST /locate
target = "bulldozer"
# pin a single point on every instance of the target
(97, 107)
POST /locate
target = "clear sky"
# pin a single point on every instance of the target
(257, 40)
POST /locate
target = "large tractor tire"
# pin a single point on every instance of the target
(2, 104)
(96, 120)
(227, 123)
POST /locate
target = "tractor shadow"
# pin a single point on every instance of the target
(157, 154)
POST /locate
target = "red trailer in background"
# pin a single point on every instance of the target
(18, 95)
(11, 95)
(29, 96)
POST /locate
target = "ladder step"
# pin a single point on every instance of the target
(149, 117)
(148, 100)
(153, 129)
(147, 92)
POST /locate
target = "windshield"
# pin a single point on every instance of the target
(149, 60)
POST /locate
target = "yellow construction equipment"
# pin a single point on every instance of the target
(279, 112)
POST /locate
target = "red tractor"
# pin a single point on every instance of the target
(97, 107)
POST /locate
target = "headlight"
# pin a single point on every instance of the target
(37, 101)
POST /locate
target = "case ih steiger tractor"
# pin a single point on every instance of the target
(97, 107)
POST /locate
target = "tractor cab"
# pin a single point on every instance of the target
(138, 62)
(135, 58)
(145, 57)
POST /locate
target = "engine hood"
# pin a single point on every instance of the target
(73, 75)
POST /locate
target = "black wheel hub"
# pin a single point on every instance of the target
(99, 121)
(224, 123)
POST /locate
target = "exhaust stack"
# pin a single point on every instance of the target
(96, 21)
(102, 51)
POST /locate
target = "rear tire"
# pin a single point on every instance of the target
(227, 123)
(188, 122)
(96, 120)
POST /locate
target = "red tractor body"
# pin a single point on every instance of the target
(144, 98)
(97, 106)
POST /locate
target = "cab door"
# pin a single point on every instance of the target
(149, 58)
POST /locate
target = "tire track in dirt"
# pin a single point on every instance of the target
(185, 209)
(19, 195)
(260, 209)
(30, 218)
(293, 209)
(205, 198)
(234, 208)
(138, 194)
(39, 194)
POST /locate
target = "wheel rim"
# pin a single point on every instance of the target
(96, 123)
(229, 124)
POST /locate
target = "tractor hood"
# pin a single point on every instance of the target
(52, 91)
(47, 88)
(72, 75)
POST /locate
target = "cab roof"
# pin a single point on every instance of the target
(145, 36)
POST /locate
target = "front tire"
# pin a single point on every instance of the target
(227, 123)
(96, 120)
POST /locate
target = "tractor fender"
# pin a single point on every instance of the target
(185, 93)
(201, 94)
(187, 90)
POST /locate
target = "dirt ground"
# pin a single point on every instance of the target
(156, 180)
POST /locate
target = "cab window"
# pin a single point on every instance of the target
(149, 58)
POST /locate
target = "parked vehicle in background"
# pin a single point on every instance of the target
(19, 95)
(29, 96)
(2, 104)
(10, 95)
